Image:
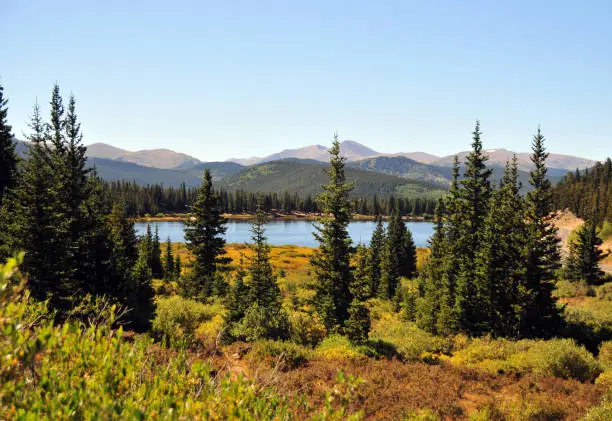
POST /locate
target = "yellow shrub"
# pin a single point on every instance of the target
(306, 328)
(560, 358)
(338, 347)
(410, 342)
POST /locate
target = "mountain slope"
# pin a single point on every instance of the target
(350, 149)
(306, 177)
(501, 156)
(403, 167)
(157, 158)
(102, 150)
(112, 170)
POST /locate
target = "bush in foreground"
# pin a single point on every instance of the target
(560, 358)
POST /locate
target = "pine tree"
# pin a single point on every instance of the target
(169, 272)
(8, 157)
(541, 317)
(139, 292)
(377, 244)
(156, 256)
(27, 215)
(263, 317)
(359, 323)
(177, 267)
(331, 262)
(124, 252)
(409, 257)
(238, 299)
(472, 296)
(585, 255)
(204, 238)
(500, 263)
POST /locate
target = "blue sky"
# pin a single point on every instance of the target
(241, 78)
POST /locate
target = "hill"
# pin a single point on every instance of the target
(400, 166)
(111, 170)
(102, 150)
(157, 158)
(306, 177)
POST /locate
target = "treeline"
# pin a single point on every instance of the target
(587, 193)
(154, 199)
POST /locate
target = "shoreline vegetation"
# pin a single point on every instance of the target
(275, 216)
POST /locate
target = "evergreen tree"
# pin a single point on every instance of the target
(28, 217)
(263, 288)
(124, 251)
(359, 323)
(156, 256)
(8, 157)
(169, 272)
(541, 318)
(585, 255)
(139, 292)
(377, 245)
(472, 296)
(263, 317)
(331, 261)
(204, 238)
(177, 267)
(500, 263)
(238, 299)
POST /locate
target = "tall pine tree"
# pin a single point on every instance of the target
(472, 296)
(331, 261)
(8, 157)
(377, 246)
(204, 238)
(542, 317)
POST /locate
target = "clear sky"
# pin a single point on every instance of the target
(241, 78)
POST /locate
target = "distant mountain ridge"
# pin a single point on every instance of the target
(355, 151)
(156, 158)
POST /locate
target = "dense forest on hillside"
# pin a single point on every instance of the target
(488, 323)
(155, 199)
(587, 193)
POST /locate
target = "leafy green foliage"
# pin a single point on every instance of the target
(177, 318)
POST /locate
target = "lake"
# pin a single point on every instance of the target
(281, 232)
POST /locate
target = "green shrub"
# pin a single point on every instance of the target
(338, 347)
(410, 342)
(560, 358)
(78, 371)
(565, 289)
(177, 318)
(262, 323)
(284, 355)
(604, 292)
(306, 328)
(605, 355)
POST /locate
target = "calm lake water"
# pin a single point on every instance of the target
(287, 232)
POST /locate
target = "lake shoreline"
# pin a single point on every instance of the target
(180, 217)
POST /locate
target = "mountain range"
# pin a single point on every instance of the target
(301, 170)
